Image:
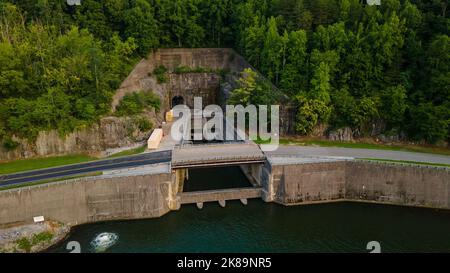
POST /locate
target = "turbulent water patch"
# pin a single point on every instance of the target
(103, 241)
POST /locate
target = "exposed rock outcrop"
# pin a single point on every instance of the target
(109, 132)
(341, 134)
(32, 237)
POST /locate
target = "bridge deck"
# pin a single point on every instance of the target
(218, 195)
(216, 155)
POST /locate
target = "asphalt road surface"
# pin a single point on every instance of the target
(83, 168)
(360, 153)
(166, 156)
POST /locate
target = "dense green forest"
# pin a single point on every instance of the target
(342, 62)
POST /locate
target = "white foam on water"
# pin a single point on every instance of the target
(103, 241)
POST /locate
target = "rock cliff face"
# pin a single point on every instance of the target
(341, 134)
(112, 132)
(109, 132)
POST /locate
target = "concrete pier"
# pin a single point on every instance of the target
(219, 195)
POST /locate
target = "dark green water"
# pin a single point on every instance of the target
(268, 227)
(262, 227)
(215, 178)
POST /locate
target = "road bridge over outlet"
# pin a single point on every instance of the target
(247, 155)
(210, 155)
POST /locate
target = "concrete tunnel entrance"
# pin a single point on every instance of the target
(177, 100)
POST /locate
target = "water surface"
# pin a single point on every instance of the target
(268, 227)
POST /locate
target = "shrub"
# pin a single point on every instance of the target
(182, 70)
(135, 103)
(430, 122)
(41, 237)
(185, 69)
(144, 124)
(24, 244)
(310, 113)
(160, 73)
(10, 144)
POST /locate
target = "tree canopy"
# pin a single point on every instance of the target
(342, 62)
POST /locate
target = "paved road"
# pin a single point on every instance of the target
(360, 153)
(83, 168)
(213, 154)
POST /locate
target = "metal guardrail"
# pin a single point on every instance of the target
(217, 161)
(189, 144)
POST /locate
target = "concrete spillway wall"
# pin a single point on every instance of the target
(397, 184)
(89, 200)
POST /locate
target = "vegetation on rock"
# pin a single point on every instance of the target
(136, 102)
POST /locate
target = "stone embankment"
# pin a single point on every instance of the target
(34, 237)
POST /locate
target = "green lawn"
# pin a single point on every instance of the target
(407, 162)
(134, 151)
(362, 145)
(47, 162)
(41, 163)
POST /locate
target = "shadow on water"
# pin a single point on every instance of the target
(216, 178)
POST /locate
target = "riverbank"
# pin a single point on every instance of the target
(32, 238)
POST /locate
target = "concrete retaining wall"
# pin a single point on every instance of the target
(408, 185)
(88, 200)
(398, 184)
(215, 58)
(190, 85)
(306, 183)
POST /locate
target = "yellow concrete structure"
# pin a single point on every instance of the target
(154, 140)
(169, 116)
